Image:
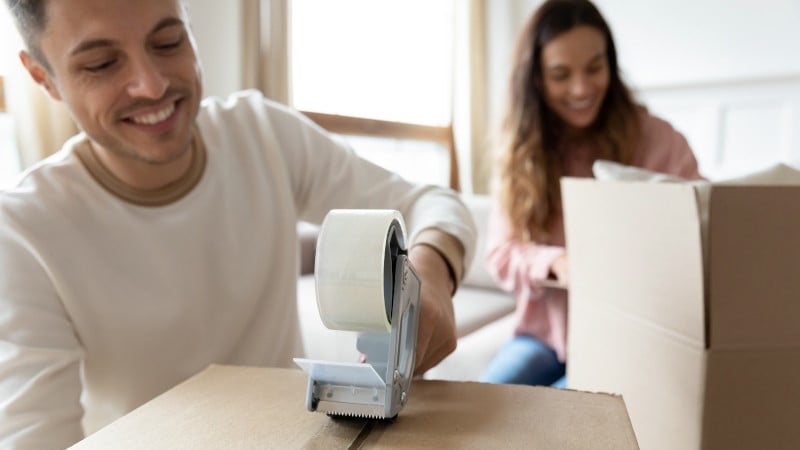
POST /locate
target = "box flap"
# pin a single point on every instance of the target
(752, 399)
(662, 379)
(237, 407)
(754, 287)
(637, 247)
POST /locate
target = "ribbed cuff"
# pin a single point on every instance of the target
(448, 247)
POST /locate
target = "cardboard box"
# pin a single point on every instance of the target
(244, 407)
(708, 360)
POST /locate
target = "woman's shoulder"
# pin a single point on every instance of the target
(655, 128)
(664, 149)
(657, 135)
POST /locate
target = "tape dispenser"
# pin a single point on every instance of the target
(365, 283)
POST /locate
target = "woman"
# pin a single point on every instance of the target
(567, 108)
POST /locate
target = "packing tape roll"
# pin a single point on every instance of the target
(354, 268)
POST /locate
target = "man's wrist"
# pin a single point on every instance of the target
(450, 271)
(448, 248)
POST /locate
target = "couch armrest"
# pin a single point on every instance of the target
(477, 275)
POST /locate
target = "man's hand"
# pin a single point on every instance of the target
(436, 337)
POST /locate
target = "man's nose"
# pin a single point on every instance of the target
(146, 80)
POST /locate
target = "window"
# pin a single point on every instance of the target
(379, 74)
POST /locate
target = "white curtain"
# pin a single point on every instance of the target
(276, 64)
(471, 125)
(265, 42)
(41, 124)
(265, 47)
(487, 31)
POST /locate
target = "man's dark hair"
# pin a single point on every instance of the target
(30, 17)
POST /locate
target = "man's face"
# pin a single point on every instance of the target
(127, 71)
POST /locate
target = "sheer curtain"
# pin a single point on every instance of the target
(471, 122)
(489, 30)
(265, 46)
(41, 124)
(275, 64)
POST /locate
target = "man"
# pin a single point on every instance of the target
(163, 237)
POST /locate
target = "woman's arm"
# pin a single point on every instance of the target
(517, 265)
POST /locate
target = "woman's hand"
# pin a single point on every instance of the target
(560, 269)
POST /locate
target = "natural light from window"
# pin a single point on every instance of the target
(9, 46)
(388, 60)
(9, 42)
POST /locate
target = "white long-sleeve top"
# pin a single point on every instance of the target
(114, 302)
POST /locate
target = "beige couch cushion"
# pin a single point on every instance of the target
(477, 275)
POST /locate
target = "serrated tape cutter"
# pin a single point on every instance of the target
(365, 283)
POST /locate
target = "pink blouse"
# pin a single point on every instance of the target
(515, 265)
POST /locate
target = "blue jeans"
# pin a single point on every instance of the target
(526, 360)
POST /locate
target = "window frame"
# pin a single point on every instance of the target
(364, 126)
(360, 126)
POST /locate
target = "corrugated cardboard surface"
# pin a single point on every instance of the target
(244, 407)
(755, 267)
(634, 256)
(752, 400)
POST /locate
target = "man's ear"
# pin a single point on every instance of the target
(39, 74)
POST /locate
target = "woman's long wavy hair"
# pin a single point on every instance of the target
(530, 164)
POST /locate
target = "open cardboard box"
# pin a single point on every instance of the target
(706, 356)
(246, 407)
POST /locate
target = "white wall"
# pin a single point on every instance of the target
(726, 73)
(216, 27)
(690, 41)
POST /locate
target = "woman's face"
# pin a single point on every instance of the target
(576, 75)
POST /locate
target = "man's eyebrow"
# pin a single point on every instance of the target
(85, 46)
(95, 43)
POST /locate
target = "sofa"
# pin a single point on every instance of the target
(484, 313)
